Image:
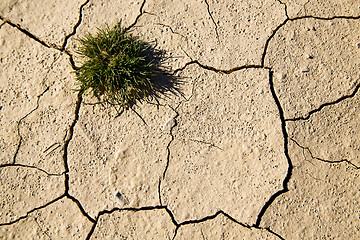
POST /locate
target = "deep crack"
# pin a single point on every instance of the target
(37, 39)
(29, 34)
(137, 17)
(75, 26)
(171, 140)
(286, 12)
(224, 71)
(249, 227)
(3, 23)
(286, 152)
(325, 18)
(33, 210)
(159, 191)
(294, 19)
(356, 89)
(210, 217)
(269, 39)
(65, 159)
(146, 208)
(207, 143)
(201, 219)
(82, 210)
(71, 133)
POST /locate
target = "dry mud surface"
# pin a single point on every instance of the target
(262, 143)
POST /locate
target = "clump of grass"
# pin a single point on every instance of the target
(115, 67)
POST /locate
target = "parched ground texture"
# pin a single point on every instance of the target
(260, 142)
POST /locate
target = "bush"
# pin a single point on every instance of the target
(116, 67)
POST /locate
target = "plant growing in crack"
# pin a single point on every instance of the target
(118, 68)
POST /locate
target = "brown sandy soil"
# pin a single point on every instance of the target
(262, 143)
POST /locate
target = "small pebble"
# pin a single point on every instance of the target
(305, 69)
(121, 199)
(308, 56)
(169, 124)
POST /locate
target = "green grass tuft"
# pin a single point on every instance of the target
(115, 67)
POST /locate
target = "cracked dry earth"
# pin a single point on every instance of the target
(262, 143)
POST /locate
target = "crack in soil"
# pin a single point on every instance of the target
(308, 115)
(137, 17)
(286, 152)
(33, 110)
(269, 39)
(21, 119)
(27, 33)
(147, 208)
(171, 140)
(325, 18)
(294, 19)
(78, 104)
(216, 26)
(69, 137)
(77, 202)
(33, 210)
(210, 217)
(44, 232)
(28, 166)
(65, 159)
(37, 39)
(159, 191)
(324, 160)
(75, 26)
(178, 225)
(172, 127)
(3, 23)
(224, 71)
(286, 12)
(171, 30)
